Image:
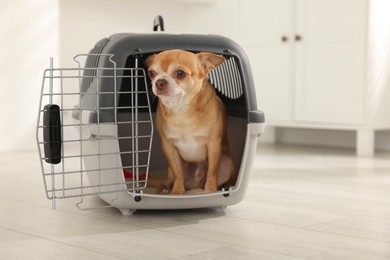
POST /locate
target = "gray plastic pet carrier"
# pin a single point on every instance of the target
(95, 129)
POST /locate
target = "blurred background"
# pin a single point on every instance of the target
(321, 67)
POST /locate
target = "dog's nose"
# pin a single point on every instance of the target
(161, 84)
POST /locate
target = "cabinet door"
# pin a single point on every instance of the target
(261, 26)
(330, 74)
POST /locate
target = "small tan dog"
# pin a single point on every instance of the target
(191, 121)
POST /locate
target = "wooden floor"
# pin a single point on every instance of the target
(302, 203)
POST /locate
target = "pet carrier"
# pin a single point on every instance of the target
(95, 129)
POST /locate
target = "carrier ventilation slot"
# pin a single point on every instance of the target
(91, 64)
(226, 79)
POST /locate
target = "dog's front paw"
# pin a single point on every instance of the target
(178, 189)
(210, 187)
(177, 192)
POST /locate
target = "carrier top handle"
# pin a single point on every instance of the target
(158, 21)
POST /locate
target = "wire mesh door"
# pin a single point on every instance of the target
(94, 129)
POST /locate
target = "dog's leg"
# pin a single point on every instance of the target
(214, 155)
(175, 166)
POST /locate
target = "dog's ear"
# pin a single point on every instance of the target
(149, 60)
(210, 60)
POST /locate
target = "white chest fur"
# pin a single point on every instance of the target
(192, 149)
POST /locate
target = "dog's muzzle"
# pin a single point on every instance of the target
(161, 84)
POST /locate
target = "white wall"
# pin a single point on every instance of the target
(29, 36)
(379, 59)
(83, 23)
(34, 31)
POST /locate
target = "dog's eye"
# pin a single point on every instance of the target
(151, 73)
(180, 74)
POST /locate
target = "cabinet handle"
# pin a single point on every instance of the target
(298, 37)
(284, 38)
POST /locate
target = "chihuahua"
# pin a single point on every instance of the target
(191, 121)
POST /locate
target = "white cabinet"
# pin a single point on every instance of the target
(308, 58)
(265, 31)
(330, 61)
(313, 61)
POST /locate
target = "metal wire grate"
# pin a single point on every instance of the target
(82, 152)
